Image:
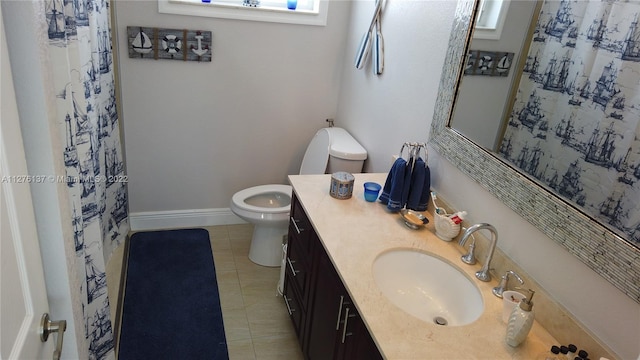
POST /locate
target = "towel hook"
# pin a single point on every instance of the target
(423, 146)
(409, 150)
(413, 152)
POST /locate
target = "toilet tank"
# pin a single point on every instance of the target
(333, 149)
(345, 152)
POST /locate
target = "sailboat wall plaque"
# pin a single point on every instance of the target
(171, 44)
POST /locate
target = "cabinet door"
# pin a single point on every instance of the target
(326, 313)
(355, 343)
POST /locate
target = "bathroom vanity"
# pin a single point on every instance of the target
(324, 316)
(338, 310)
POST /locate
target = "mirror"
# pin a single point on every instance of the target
(590, 240)
(483, 100)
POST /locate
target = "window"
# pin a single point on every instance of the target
(491, 17)
(307, 12)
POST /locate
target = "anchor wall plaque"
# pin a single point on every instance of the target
(171, 44)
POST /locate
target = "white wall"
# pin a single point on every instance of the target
(383, 112)
(195, 133)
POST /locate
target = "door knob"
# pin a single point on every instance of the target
(47, 327)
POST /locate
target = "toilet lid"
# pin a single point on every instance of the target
(344, 146)
(317, 154)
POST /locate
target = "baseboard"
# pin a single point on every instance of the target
(155, 220)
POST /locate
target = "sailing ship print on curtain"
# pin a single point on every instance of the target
(574, 125)
(81, 66)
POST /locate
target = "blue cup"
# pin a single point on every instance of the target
(371, 191)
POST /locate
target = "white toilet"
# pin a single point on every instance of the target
(267, 206)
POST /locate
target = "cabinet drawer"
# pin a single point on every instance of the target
(292, 301)
(300, 227)
(298, 266)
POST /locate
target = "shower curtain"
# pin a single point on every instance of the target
(78, 43)
(574, 125)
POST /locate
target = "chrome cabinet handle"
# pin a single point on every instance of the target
(294, 271)
(289, 309)
(295, 225)
(339, 312)
(48, 327)
(344, 327)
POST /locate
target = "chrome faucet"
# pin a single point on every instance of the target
(482, 274)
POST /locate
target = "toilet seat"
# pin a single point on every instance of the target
(239, 198)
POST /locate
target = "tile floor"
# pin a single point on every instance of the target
(255, 319)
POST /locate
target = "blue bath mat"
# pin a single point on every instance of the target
(171, 304)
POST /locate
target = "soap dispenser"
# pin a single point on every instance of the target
(520, 321)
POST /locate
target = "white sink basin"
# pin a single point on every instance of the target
(427, 287)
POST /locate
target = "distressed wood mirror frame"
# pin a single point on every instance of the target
(607, 254)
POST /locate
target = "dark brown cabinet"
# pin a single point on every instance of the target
(326, 321)
(298, 264)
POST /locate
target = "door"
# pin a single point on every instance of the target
(23, 297)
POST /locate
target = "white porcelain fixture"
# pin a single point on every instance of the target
(267, 206)
(427, 287)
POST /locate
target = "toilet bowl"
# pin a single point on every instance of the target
(267, 206)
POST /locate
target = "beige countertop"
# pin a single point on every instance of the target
(354, 232)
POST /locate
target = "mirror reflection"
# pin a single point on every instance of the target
(567, 113)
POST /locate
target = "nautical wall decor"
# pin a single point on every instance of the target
(575, 122)
(491, 63)
(78, 41)
(158, 43)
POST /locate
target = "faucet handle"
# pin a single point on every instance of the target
(470, 257)
(504, 283)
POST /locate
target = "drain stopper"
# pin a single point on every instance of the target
(439, 320)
